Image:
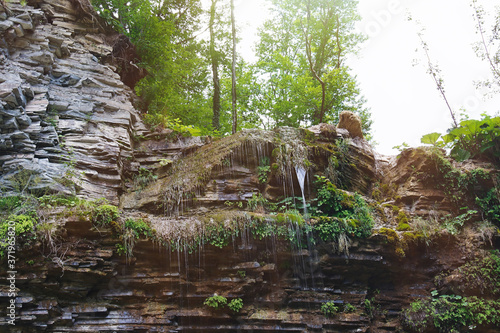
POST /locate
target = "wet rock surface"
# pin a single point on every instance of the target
(91, 289)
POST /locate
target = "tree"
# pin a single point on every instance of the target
(215, 69)
(164, 33)
(233, 71)
(301, 62)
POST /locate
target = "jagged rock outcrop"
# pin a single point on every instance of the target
(67, 118)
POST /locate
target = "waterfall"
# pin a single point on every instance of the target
(301, 177)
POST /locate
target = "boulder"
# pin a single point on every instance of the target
(351, 122)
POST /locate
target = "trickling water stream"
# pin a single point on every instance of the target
(301, 177)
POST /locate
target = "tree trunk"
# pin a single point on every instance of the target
(319, 114)
(233, 71)
(215, 70)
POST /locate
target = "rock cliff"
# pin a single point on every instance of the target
(67, 118)
(297, 230)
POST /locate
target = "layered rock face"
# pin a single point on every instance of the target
(67, 125)
(282, 287)
(67, 119)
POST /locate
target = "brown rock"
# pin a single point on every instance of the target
(351, 122)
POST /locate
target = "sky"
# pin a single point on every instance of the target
(403, 99)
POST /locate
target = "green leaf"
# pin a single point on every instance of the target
(471, 126)
(430, 138)
(460, 154)
(448, 138)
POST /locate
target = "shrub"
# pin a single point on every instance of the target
(144, 178)
(490, 205)
(263, 170)
(451, 313)
(329, 309)
(139, 228)
(471, 139)
(349, 308)
(105, 214)
(216, 302)
(7, 204)
(482, 274)
(345, 213)
(236, 304)
(258, 203)
(49, 201)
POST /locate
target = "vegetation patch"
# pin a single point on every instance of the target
(481, 275)
(451, 313)
(216, 302)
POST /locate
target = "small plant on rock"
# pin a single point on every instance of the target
(329, 309)
(105, 214)
(235, 305)
(215, 302)
(349, 308)
(263, 170)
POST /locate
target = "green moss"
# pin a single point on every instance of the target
(400, 252)
(16, 230)
(403, 226)
(377, 194)
(403, 223)
(392, 236)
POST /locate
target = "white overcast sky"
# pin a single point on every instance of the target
(403, 98)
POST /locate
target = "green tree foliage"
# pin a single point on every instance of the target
(301, 63)
(300, 77)
(164, 33)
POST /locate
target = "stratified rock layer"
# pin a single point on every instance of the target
(65, 114)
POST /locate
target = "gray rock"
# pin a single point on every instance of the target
(10, 124)
(58, 105)
(24, 16)
(90, 83)
(25, 146)
(25, 24)
(5, 143)
(11, 100)
(28, 92)
(43, 57)
(68, 80)
(21, 99)
(24, 121)
(4, 25)
(19, 135)
(37, 107)
(18, 29)
(10, 112)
